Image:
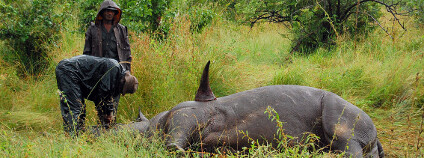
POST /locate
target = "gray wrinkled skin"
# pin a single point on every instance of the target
(303, 110)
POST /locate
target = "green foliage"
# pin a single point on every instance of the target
(29, 29)
(199, 12)
(416, 8)
(314, 23)
(200, 18)
(87, 11)
(144, 15)
(138, 15)
(153, 16)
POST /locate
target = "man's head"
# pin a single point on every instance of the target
(130, 83)
(104, 7)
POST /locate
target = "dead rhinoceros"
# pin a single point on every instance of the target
(215, 122)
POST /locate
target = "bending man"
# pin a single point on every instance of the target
(93, 78)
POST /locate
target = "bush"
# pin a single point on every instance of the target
(313, 23)
(29, 28)
(200, 18)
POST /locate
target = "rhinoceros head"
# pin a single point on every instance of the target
(204, 93)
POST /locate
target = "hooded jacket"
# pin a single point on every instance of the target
(93, 36)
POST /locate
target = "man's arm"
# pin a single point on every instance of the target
(88, 42)
(129, 58)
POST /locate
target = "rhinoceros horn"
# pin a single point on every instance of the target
(204, 93)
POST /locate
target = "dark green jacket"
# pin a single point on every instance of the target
(91, 77)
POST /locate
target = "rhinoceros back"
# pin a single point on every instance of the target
(299, 108)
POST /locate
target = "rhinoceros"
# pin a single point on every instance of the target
(225, 121)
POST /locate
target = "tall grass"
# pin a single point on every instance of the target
(372, 72)
(56, 144)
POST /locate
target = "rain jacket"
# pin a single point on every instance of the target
(93, 36)
(86, 77)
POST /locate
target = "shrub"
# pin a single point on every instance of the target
(199, 18)
(316, 23)
(28, 28)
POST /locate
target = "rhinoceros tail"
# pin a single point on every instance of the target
(204, 93)
(380, 149)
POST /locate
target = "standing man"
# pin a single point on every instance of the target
(93, 78)
(107, 38)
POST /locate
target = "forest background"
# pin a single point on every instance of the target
(371, 55)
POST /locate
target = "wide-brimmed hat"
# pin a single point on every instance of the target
(130, 83)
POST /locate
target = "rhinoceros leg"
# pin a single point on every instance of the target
(346, 127)
(181, 127)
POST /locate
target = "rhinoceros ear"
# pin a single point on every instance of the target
(204, 93)
(141, 117)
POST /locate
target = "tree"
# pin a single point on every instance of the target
(317, 23)
(415, 8)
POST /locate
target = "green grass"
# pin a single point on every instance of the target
(376, 73)
(56, 144)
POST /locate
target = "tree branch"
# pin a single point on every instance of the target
(380, 25)
(271, 16)
(389, 8)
